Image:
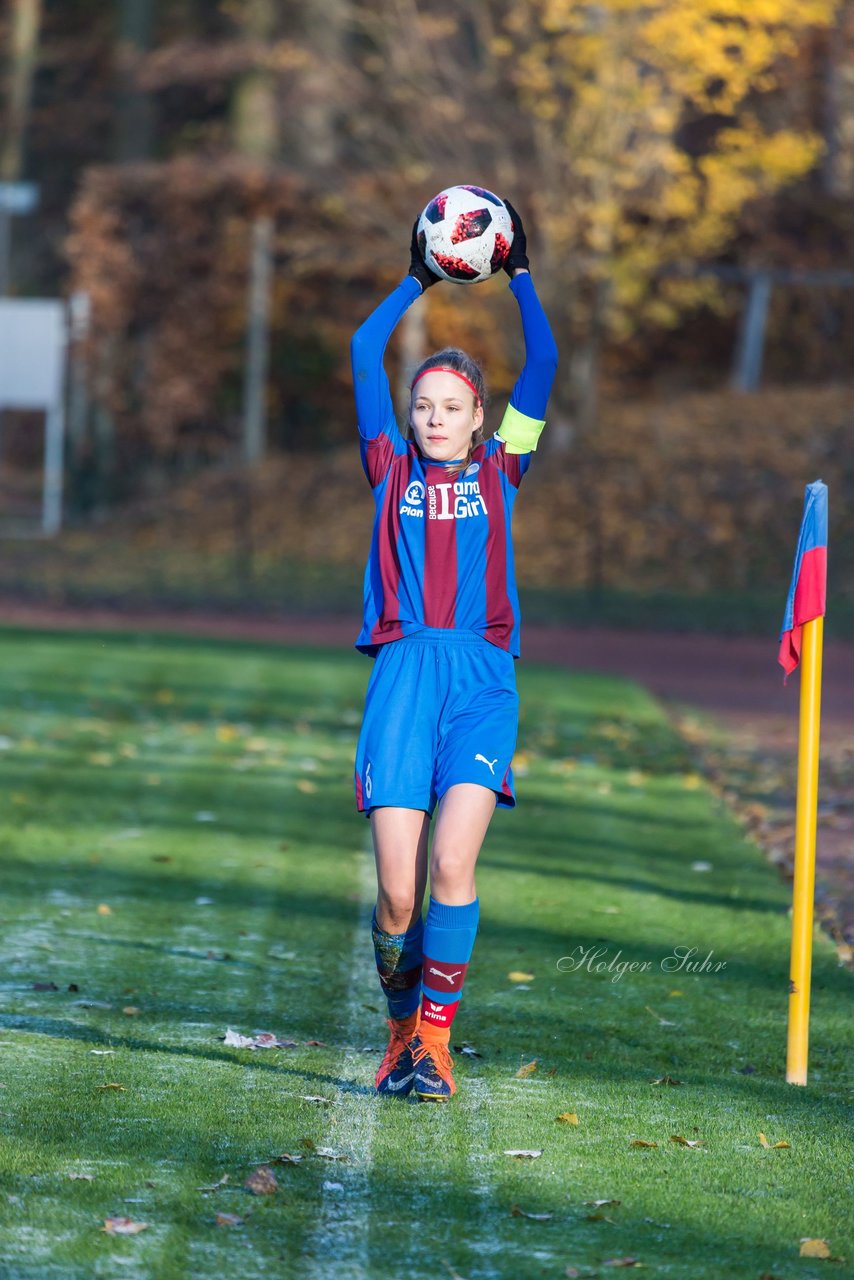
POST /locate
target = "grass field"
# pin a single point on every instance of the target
(181, 855)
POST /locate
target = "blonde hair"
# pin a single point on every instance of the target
(459, 362)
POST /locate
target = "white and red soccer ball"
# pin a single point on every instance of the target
(464, 234)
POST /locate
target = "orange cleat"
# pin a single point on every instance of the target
(433, 1064)
(396, 1074)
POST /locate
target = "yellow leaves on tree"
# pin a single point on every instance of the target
(610, 89)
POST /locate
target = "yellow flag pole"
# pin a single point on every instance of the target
(803, 892)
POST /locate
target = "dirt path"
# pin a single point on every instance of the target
(735, 679)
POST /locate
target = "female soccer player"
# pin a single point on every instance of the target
(441, 619)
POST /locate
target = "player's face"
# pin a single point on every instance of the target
(443, 416)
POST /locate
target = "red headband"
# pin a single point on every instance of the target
(443, 368)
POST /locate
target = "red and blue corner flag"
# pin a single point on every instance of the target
(808, 590)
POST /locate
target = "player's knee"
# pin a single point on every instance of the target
(449, 868)
(396, 910)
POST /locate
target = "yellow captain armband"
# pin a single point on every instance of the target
(519, 432)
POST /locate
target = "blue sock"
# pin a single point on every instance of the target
(398, 957)
(449, 934)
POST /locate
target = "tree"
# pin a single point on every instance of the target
(649, 137)
(25, 22)
(134, 129)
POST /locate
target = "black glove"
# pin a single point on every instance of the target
(417, 266)
(518, 255)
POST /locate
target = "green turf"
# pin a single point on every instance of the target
(203, 793)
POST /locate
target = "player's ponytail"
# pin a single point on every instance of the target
(462, 363)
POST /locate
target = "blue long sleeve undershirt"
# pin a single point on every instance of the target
(374, 406)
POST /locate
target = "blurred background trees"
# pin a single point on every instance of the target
(643, 143)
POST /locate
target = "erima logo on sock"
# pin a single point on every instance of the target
(489, 763)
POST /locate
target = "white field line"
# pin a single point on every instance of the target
(338, 1245)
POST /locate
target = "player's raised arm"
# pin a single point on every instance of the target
(374, 407)
(525, 416)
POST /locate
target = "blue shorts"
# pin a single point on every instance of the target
(441, 707)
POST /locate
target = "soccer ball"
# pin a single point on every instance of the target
(465, 234)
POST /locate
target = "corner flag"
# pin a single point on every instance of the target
(808, 591)
(803, 626)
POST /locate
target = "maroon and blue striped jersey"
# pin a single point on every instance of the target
(441, 548)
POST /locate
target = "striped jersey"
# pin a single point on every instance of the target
(441, 547)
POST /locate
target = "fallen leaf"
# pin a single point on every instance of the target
(664, 1021)
(264, 1040)
(223, 1180)
(814, 1248)
(516, 1212)
(598, 1204)
(639, 1142)
(763, 1141)
(622, 1262)
(527, 1069)
(665, 1080)
(262, 1181)
(522, 1155)
(130, 1010)
(454, 1275)
(567, 1117)
(104, 910)
(112, 1086)
(123, 1226)
(518, 976)
(229, 1220)
(685, 1142)
(467, 1050)
(329, 1154)
(286, 1158)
